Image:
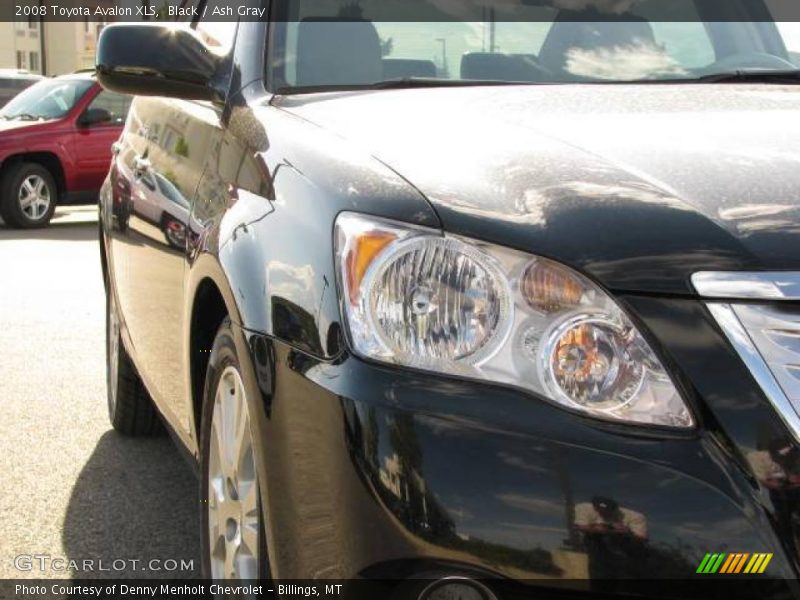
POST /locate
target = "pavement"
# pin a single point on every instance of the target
(70, 487)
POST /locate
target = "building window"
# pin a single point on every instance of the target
(33, 61)
(21, 63)
(33, 23)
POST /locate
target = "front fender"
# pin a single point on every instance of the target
(271, 231)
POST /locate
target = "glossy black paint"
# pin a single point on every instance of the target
(369, 469)
(640, 186)
(157, 59)
(494, 485)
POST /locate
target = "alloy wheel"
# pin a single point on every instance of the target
(234, 520)
(34, 197)
(176, 233)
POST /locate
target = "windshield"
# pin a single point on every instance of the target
(48, 99)
(548, 41)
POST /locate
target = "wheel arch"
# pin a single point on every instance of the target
(48, 160)
(210, 301)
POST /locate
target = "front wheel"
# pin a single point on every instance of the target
(28, 196)
(234, 541)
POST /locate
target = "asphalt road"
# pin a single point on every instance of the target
(70, 487)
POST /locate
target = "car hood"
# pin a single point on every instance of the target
(639, 186)
(18, 126)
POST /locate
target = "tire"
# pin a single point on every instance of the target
(31, 183)
(174, 232)
(130, 409)
(236, 485)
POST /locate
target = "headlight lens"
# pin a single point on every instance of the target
(433, 300)
(414, 297)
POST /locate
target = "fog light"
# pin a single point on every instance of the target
(591, 362)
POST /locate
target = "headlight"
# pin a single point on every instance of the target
(414, 297)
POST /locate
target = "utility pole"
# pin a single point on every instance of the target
(492, 27)
(445, 69)
(42, 42)
(483, 29)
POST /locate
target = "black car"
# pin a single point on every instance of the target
(524, 309)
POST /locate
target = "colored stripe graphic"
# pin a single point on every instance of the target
(754, 561)
(716, 564)
(726, 565)
(734, 563)
(730, 564)
(767, 558)
(740, 564)
(703, 563)
(711, 560)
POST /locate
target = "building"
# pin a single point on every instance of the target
(70, 46)
(51, 48)
(21, 45)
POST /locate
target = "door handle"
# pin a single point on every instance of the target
(141, 165)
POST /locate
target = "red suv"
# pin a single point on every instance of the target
(55, 146)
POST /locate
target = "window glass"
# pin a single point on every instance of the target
(48, 99)
(116, 104)
(790, 32)
(445, 44)
(784, 13)
(687, 43)
(316, 43)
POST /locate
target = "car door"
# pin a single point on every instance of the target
(92, 143)
(159, 163)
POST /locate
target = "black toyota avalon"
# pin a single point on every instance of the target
(462, 301)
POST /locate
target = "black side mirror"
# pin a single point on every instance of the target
(94, 116)
(156, 60)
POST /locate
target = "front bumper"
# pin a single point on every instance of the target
(369, 470)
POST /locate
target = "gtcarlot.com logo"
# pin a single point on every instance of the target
(47, 562)
(734, 563)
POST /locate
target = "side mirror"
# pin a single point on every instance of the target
(156, 60)
(94, 116)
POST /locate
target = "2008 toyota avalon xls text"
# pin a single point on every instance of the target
(513, 299)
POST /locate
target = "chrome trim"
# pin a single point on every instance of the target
(744, 346)
(774, 285)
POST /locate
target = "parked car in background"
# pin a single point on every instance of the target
(533, 315)
(55, 146)
(159, 202)
(13, 81)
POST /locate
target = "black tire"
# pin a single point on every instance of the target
(10, 208)
(176, 239)
(130, 409)
(223, 355)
